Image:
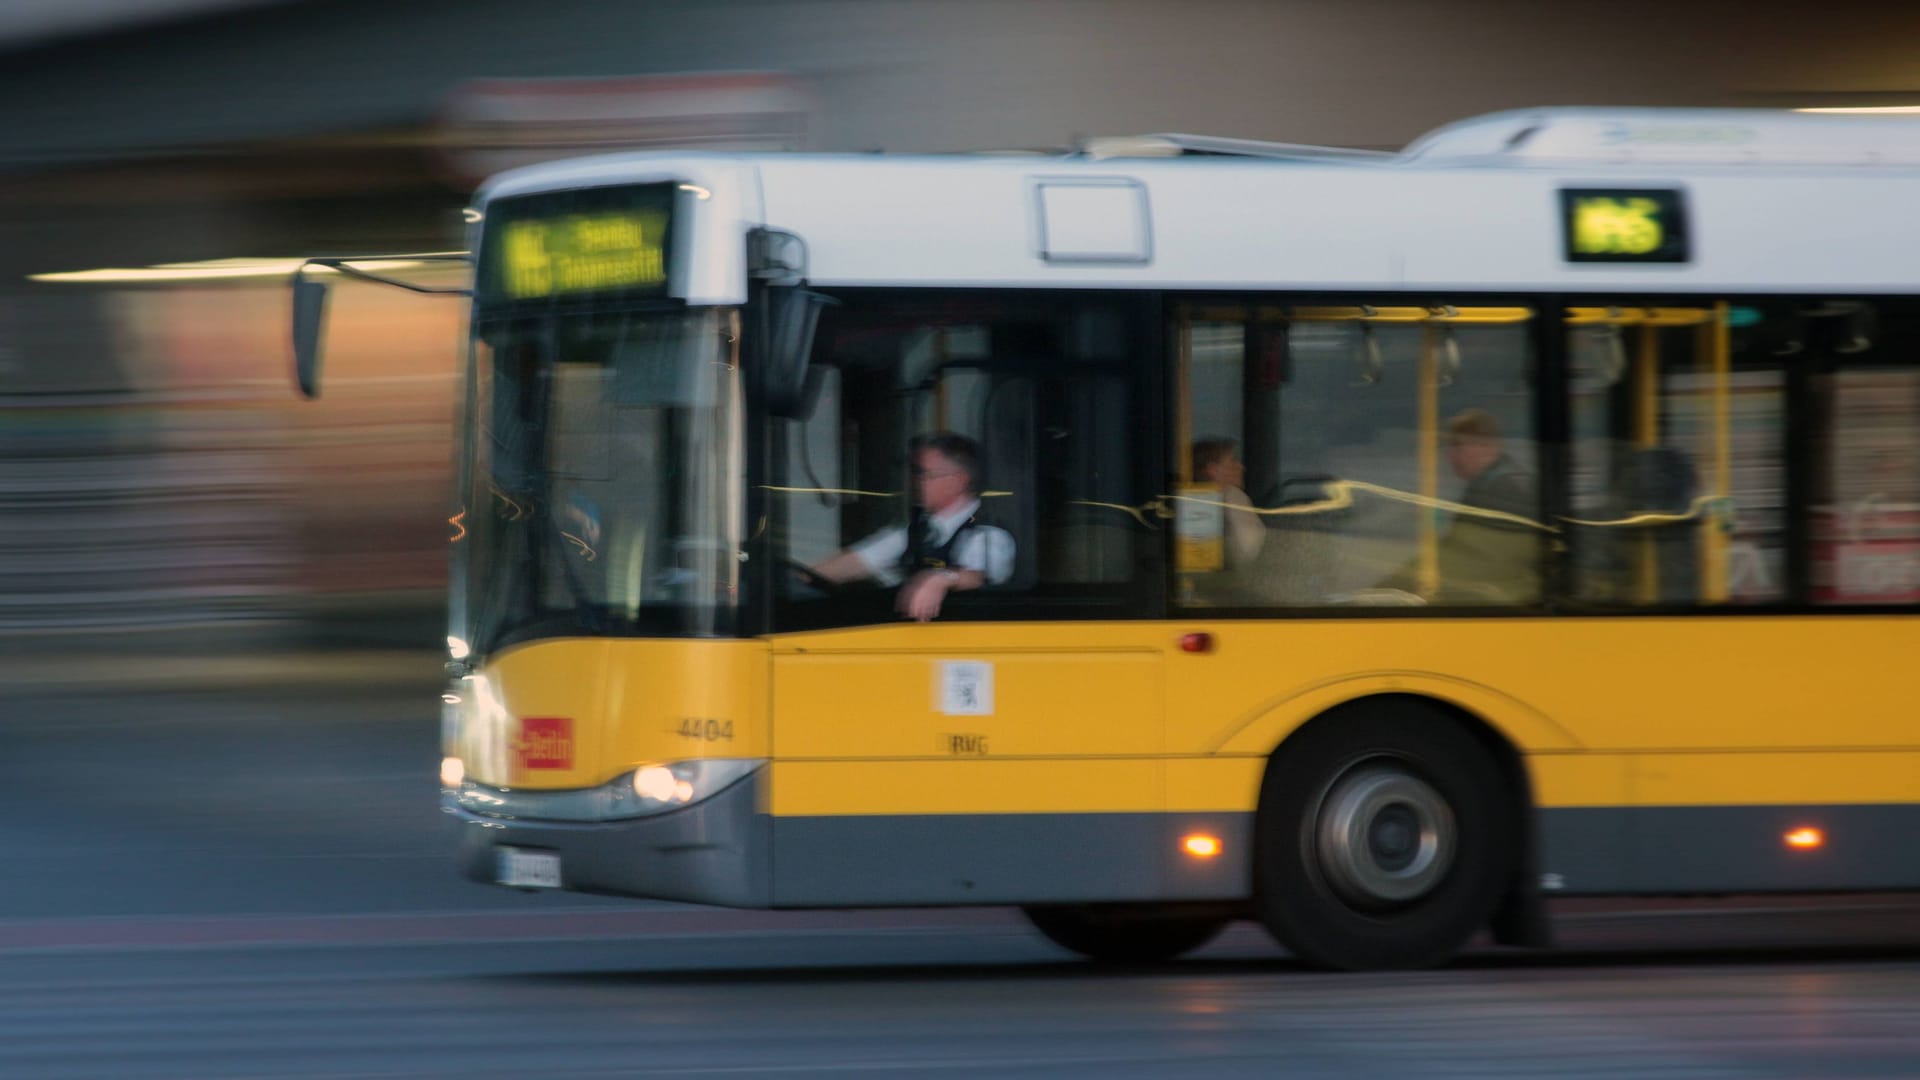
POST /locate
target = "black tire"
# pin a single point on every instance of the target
(1124, 934)
(1386, 837)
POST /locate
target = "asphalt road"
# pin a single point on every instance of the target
(253, 884)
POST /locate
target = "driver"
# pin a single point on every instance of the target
(944, 547)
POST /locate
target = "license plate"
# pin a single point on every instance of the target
(526, 869)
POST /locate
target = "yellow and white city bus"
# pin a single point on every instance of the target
(1397, 540)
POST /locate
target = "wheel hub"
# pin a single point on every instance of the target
(1383, 836)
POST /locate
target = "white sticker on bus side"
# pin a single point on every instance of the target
(964, 687)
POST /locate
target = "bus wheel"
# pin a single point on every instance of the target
(1385, 838)
(1124, 934)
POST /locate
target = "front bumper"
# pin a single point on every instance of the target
(715, 851)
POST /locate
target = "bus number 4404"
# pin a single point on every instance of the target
(706, 730)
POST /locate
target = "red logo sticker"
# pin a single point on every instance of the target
(546, 742)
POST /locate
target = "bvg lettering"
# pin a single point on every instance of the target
(967, 745)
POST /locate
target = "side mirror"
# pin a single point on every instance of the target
(309, 318)
(791, 314)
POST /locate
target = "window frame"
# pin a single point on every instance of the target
(1140, 597)
(1546, 484)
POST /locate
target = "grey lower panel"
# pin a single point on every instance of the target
(1728, 849)
(1007, 859)
(714, 852)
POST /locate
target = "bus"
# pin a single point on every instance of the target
(1387, 543)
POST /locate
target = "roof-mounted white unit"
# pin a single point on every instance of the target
(1598, 136)
(1169, 145)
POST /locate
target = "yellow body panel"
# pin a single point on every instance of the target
(1830, 777)
(1607, 711)
(1565, 780)
(888, 705)
(1733, 778)
(629, 701)
(1214, 783)
(1115, 717)
(1069, 719)
(1612, 684)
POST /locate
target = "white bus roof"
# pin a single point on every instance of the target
(1775, 202)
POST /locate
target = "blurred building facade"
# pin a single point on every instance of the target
(155, 469)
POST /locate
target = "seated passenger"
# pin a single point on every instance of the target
(1216, 462)
(1485, 558)
(944, 547)
(1495, 481)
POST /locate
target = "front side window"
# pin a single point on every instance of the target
(606, 493)
(991, 440)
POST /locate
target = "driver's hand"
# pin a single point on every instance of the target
(921, 596)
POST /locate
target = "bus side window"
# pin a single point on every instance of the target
(1656, 516)
(1865, 527)
(1341, 455)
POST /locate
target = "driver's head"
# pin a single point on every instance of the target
(945, 470)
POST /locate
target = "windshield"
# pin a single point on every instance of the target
(605, 491)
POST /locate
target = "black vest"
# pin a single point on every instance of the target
(922, 552)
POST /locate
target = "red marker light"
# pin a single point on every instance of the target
(1196, 643)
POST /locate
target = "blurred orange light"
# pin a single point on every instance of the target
(1806, 838)
(1201, 846)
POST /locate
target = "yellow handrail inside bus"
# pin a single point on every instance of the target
(1427, 572)
(1717, 337)
(1594, 316)
(1646, 435)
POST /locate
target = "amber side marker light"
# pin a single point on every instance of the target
(1201, 847)
(1805, 838)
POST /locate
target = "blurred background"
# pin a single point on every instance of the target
(164, 161)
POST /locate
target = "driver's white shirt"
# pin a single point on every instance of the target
(984, 548)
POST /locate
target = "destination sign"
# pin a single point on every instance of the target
(584, 253)
(1635, 225)
(608, 241)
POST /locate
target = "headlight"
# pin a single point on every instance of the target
(647, 789)
(664, 787)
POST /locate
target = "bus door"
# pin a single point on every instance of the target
(1007, 749)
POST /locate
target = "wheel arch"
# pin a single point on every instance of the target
(1517, 724)
(1520, 918)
